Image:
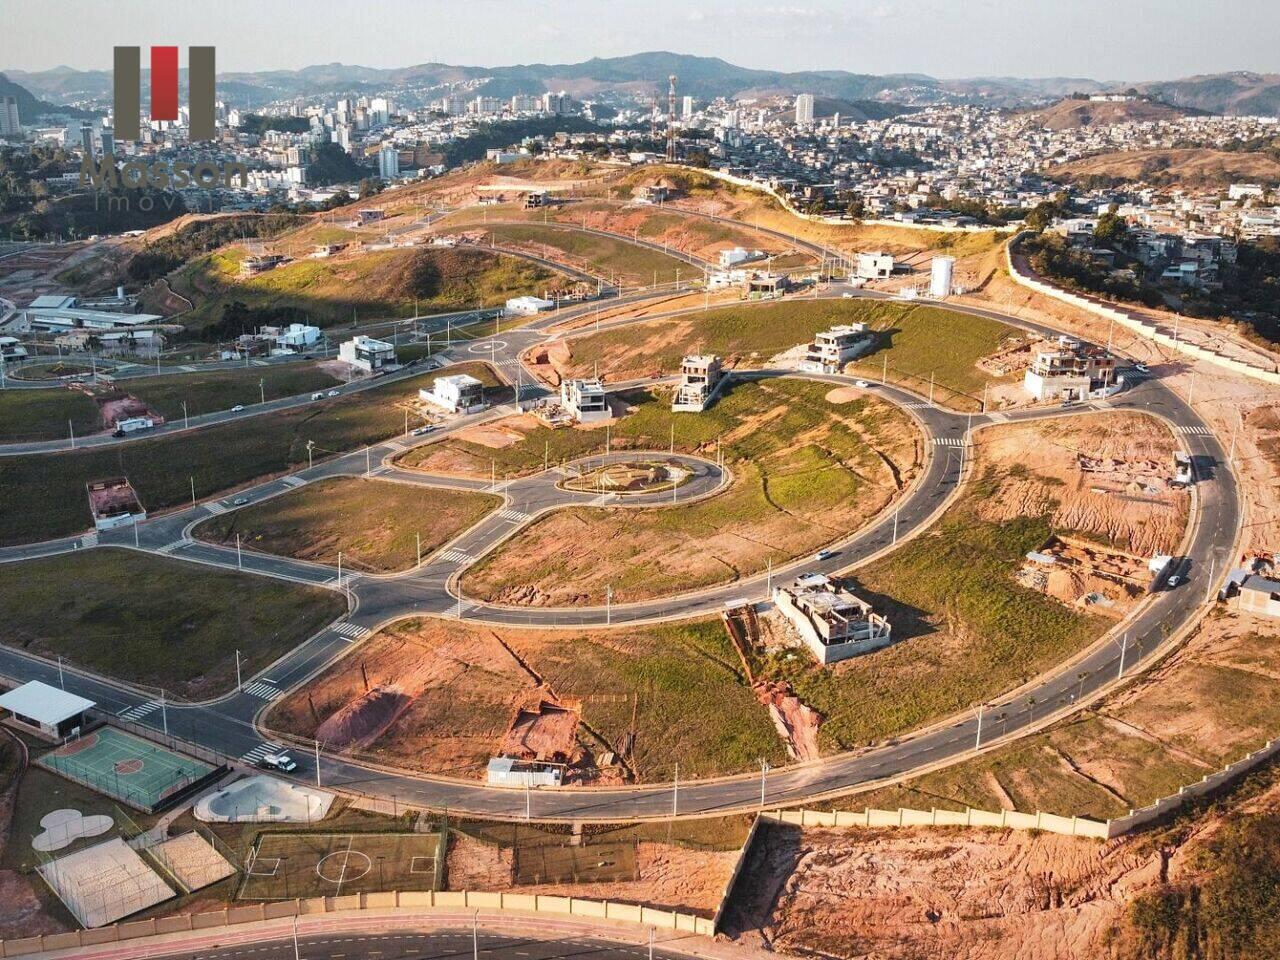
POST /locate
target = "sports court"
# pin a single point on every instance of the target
(104, 883)
(564, 863)
(134, 771)
(284, 866)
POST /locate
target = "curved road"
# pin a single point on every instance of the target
(228, 726)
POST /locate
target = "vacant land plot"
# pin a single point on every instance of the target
(966, 628)
(47, 493)
(159, 622)
(808, 470)
(31, 415)
(376, 284)
(215, 390)
(437, 696)
(626, 263)
(376, 524)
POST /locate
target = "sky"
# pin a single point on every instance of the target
(1108, 40)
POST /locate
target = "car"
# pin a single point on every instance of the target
(239, 501)
(846, 296)
(319, 395)
(333, 393)
(237, 408)
(1142, 368)
(823, 555)
(862, 384)
(423, 430)
(1174, 580)
(279, 761)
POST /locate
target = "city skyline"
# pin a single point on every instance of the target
(1100, 41)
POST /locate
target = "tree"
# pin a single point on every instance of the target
(855, 207)
(1041, 215)
(1111, 228)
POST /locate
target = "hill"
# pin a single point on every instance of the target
(1238, 93)
(1198, 167)
(30, 106)
(1071, 114)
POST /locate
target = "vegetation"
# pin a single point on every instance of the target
(157, 622)
(376, 525)
(605, 256)
(46, 494)
(193, 239)
(329, 163)
(31, 415)
(216, 390)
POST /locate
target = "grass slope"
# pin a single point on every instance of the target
(603, 256)
(157, 622)
(31, 415)
(373, 523)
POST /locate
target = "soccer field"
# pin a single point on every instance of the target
(285, 866)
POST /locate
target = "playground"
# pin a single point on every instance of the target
(134, 771)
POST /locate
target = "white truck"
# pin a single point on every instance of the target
(133, 425)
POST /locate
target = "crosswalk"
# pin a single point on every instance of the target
(171, 547)
(142, 710)
(89, 540)
(1196, 430)
(351, 631)
(263, 690)
(918, 405)
(254, 756)
(215, 508)
(293, 481)
(454, 555)
(949, 441)
(513, 516)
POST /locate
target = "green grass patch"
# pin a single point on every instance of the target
(217, 390)
(375, 524)
(46, 494)
(32, 415)
(606, 256)
(157, 622)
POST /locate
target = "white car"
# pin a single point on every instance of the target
(333, 393)
(823, 555)
(318, 396)
(1142, 368)
(237, 408)
(862, 384)
(421, 431)
(1174, 580)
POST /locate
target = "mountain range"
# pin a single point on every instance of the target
(645, 74)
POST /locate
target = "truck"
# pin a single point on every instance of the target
(133, 425)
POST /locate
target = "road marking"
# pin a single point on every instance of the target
(603, 499)
(262, 690)
(454, 555)
(215, 508)
(293, 481)
(513, 516)
(352, 631)
(1196, 431)
(949, 441)
(918, 405)
(260, 751)
(89, 540)
(996, 417)
(171, 547)
(140, 711)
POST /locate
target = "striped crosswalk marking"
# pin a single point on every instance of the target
(949, 441)
(215, 508)
(1196, 431)
(351, 631)
(170, 547)
(260, 751)
(187, 368)
(513, 516)
(262, 690)
(140, 711)
(394, 445)
(293, 481)
(454, 555)
(89, 540)
(918, 405)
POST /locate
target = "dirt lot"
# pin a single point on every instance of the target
(438, 696)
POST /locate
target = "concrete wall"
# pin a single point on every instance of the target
(1137, 324)
(408, 902)
(905, 817)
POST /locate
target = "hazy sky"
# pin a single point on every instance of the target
(1102, 39)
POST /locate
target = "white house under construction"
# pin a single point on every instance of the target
(833, 348)
(701, 377)
(1069, 371)
(834, 623)
(458, 393)
(585, 400)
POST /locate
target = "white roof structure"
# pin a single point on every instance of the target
(44, 704)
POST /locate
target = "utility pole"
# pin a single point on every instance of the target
(311, 444)
(239, 563)
(239, 685)
(317, 763)
(675, 793)
(764, 770)
(418, 537)
(977, 742)
(608, 604)
(1124, 646)
(185, 421)
(193, 490)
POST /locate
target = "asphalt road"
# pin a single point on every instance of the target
(228, 726)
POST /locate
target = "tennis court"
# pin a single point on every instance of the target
(285, 866)
(134, 771)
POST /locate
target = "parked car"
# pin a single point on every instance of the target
(237, 408)
(279, 761)
(333, 393)
(423, 430)
(1141, 368)
(823, 555)
(239, 501)
(1174, 580)
(318, 395)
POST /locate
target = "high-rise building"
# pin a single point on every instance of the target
(557, 104)
(108, 143)
(686, 107)
(388, 162)
(86, 140)
(804, 108)
(10, 123)
(523, 103)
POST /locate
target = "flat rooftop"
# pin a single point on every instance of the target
(44, 704)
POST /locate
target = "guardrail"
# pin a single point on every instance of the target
(404, 900)
(1137, 324)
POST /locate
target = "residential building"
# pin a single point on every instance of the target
(701, 377)
(1070, 371)
(832, 349)
(113, 502)
(686, 107)
(297, 337)
(585, 400)
(736, 255)
(367, 354)
(804, 109)
(1259, 596)
(833, 622)
(388, 162)
(10, 122)
(526, 306)
(874, 265)
(458, 393)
